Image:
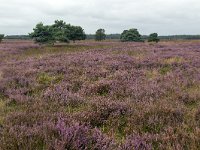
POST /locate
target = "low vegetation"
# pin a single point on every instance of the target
(100, 95)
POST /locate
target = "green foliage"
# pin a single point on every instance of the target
(131, 35)
(59, 31)
(42, 34)
(100, 35)
(153, 38)
(17, 37)
(1, 37)
(77, 33)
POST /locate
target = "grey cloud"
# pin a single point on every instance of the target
(164, 17)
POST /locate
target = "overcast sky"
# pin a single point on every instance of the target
(166, 17)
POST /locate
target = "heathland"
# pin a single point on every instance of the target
(100, 95)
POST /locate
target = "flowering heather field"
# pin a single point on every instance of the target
(100, 96)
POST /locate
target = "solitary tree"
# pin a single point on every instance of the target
(43, 34)
(100, 35)
(1, 37)
(153, 38)
(131, 35)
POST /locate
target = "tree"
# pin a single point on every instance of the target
(100, 35)
(153, 38)
(59, 31)
(77, 33)
(131, 35)
(1, 37)
(42, 34)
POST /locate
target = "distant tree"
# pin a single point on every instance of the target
(43, 34)
(153, 38)
(77, 33)
(100, 35)
(1, 37)
(131, 35)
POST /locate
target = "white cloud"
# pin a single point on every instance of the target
(164, 17)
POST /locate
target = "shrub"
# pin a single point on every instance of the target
(61, 95)
(153, 38)
(131, 35)
(136, 142)
(61, 133)
(100, 35)
(42, 34)
(1, 37)
(59, 31)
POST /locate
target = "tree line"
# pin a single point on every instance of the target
(63, 32)
(127, 36)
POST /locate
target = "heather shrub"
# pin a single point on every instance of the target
(187, 99)
(103, 89)
(81, 137)
(100, 88)
(111, 116)
(136, 142)
(59, 134)
(197, 117)
(179, 139)
(60, 94)
(77, 85)
(99, 96)
(157, 118)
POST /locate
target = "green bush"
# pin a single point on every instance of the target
(100, 35)
(1, 37)
(131, 35)
(59, 31)
(153, 38)
(42, 34)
